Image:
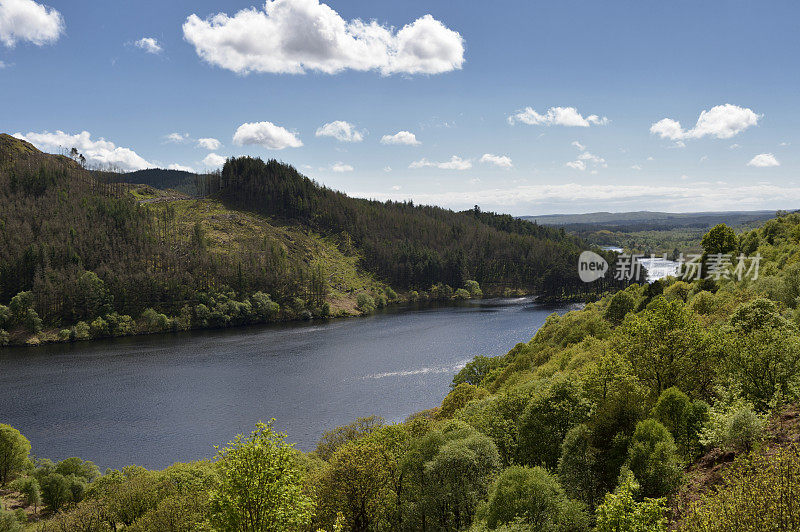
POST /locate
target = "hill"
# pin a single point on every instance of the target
(184, 182)
(84, 254)
(653, 220)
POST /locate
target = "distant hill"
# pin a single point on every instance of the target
(185, 182)
(644, 220)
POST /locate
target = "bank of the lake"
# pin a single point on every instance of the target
(154, 400)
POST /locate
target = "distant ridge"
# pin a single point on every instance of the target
(654, 218)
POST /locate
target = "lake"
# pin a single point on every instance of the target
(155, 400)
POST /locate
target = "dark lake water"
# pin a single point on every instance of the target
(155, 400)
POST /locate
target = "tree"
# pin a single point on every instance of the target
(683, 418)
(475, 370)
(332, 440)
(259, 486)
(546, 420)
(666, 347)
(720, 239)
(620, 305)
(620, 511)
(458, 397)
(653, 459)
(29, 487)
(14, 450)
(578, 465)
(533, 496)
(56, 491)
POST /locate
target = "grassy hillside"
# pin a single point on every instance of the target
(84, 254)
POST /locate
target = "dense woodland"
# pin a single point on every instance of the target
(667, 405)
(82, 256)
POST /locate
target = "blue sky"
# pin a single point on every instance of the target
(452, 80)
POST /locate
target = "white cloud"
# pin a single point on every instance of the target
(2, 65)
(387, 169)
(294, 36)
(556, 116)
(341, 167)
(704, 158)
(636, 167)
(577, 165)
(100, 152)
(594, 159)
(396, 187)
(735, 146)
(503, 161)
(764, 160)
(177, 138)
(209, 143)
(651, 158)
(578, 145)
(341, 131)
(784, 144)
(26, 20)
(721, 121)
(266, 134)
(213, 160)
(149, 45)
(401, 137)
(176, 166)
(455, 163)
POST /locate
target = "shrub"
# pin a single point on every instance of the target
(99, 328)
(758, 493)
(155, 321)
(14, 450)
(474, 289)
(32, 322)
(533, 496)
(263, 306)
(683, 418)
(458, 397)
(620, 305)
(413, 295)
(120, 325)
(620, 511)
(391, 295)
(56, 491)
(652, 458)
(365, 303)
(461, 294)
(475, 371)
(4, 338)
(80, 331)
(5, 316)
(734, 426)
(29, 487)
(576, 466)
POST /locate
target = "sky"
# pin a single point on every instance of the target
(524, 107)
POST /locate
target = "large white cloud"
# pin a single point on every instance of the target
(556, 116)
(721, 121)
(266, 134)
(294, 36)
(764, 160)
(341, 131)
(149, 45)
(26, 20)
(503, 161)
(401, 137)
(455, 163)
(100, 152)
(341, 167)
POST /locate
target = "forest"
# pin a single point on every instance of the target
(666, 406)
(84, 254)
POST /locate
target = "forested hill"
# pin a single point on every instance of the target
(410, 246)
(85, 254)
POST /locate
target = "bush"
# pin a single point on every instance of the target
(155, 321)
(576, 466)
(120, 325)
(735, 426)
(64, 335)
(413, 295)
(758, 493)
(5, 316)
(683, 418)
(264, 308)
(99, 328)
(475, 371)
(533, 496)
(620, 305)
(56, 491)
(458, 397)
(391, 295)
(365, 303)
(461, 294)
(14, 450)
(652, 458)
(32, 321)
(474, 289)
(29, 487)
(4, 338)
(620, 511)
(80, 331)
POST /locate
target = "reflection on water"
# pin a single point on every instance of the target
(153, 400)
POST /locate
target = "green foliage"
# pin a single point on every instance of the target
(4, 338)
(620, 305)
(621, 512)
(546, 420)
(667, 347)
(56, 491)
(534, 497)
(462, 294)
(577, 466)
(365, 303)
(759, 492)
(653, 459)
(720, 239)
(10, 522)
(259, 486)
(475, 370)
(474, 289)
(733, 425)
(683, 418)
(29, 487)
(447, 472)
(332, 440)
(459, 397)
(14, 450)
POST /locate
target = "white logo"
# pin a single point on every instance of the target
(591, 266)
